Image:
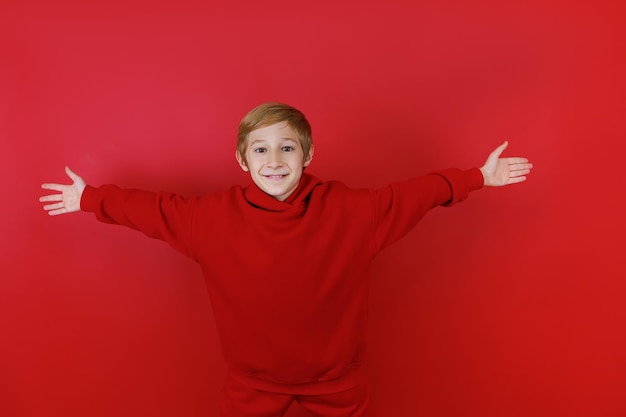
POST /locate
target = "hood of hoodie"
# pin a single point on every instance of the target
(296, 200)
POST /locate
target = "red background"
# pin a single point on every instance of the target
(511, 304)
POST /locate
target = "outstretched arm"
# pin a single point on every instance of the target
(164, 216)
(504, 171)
(67, 200)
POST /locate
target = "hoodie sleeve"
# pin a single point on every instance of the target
(163, 216)
(399, 206)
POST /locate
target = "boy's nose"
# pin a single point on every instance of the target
(274, 159)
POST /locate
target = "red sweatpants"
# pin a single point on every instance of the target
(239, 400)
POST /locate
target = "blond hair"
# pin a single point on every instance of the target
(267, 114)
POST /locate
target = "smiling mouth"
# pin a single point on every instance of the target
(275, 177)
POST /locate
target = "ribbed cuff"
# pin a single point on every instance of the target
(87, 200)
(474, 179)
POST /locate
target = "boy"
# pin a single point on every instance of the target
(286, 259)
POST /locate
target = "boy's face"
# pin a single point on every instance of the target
(274, 159)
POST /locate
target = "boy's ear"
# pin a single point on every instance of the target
(309, 157)
(241, 161)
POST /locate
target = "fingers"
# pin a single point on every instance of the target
(75, 177)
(519, 173)
(498, 151)
(51, 197)
(520, 167)
(516, 160)
(57, 212)
(515, 180)
(55, 206)
(53, 187)
(67, 197)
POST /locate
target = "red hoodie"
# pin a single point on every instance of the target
(288, 280)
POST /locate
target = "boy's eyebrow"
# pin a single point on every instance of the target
(285, 139)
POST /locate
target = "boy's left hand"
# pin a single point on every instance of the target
(504, 171)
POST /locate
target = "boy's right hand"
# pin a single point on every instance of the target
(67, 200)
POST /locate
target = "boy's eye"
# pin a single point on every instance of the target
(287, 148)
(259, 150)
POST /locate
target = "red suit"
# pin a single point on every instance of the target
(288, 280)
